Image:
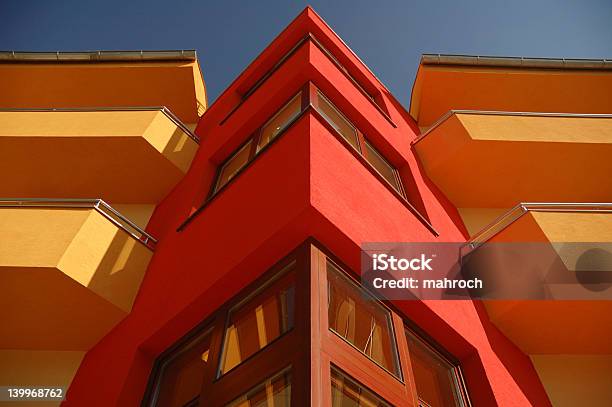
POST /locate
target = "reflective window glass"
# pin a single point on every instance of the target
(382, 166)
(274, 392)
(280, 121)
(435, 378)
(258, 321)
(348, 393)
(181, 376)
(337, 120)
(233, 165)
(361, 320)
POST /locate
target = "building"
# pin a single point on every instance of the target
(191, 255)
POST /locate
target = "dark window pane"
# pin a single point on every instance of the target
(348, 393)
(233, 165)
(435, 378)
(254, 324)
(181, 376)
(361, 320)
(278, 123)
(274, 392)
(382, 166)
(337, 120)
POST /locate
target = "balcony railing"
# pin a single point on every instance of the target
(519, 210)
(450, 113)
(99, 205)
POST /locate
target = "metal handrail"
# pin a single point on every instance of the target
(520, 209)
(99, 205)
(515, 62)
(453, 112)
(169, 114)
(98, 56)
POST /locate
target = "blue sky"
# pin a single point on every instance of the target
(389, 36)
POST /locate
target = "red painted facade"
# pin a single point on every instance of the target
(306, 185)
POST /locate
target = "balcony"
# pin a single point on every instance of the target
(67, 267)
(446, 82)
(496, 159)
(101, 79)
(581, 326)
(77, 153)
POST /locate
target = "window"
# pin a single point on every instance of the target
(253, 324)
(361, 320)
(263, 136)
(255, 336)
(348, 393)
(233, 165)
(180, 378)
(259, 348)
(437, 381)
(274, 392)
(357, 140)
(382, 166)
(280, 121)
(336, 120)
(343, 129)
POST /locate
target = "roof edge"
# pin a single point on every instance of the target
(515, 62)
(98, 56)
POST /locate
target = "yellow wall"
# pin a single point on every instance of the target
(66, 276)
(38, 368)
(137, 213)
(576, 380)
(475, 219)
(125, 157)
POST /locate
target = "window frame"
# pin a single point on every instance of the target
(310, 348)
(171, 354)
(259, 133)
(285, 351)
(309, 94)
(392, 334)
(285, 273)
(440, 352)
(351, 379)
(248, 143)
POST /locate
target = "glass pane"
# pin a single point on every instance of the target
(361, 320)
(274, 392)
(233, 165)
(259, 321)
(280, 121)
(181, 376)
(434, 377)
(347, 393)
(337, 120)
(382, 166)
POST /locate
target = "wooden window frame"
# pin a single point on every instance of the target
(349, 378)
(457, 372)
(353, 282)
(333, 350)
(310, 348)
(286, 351)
